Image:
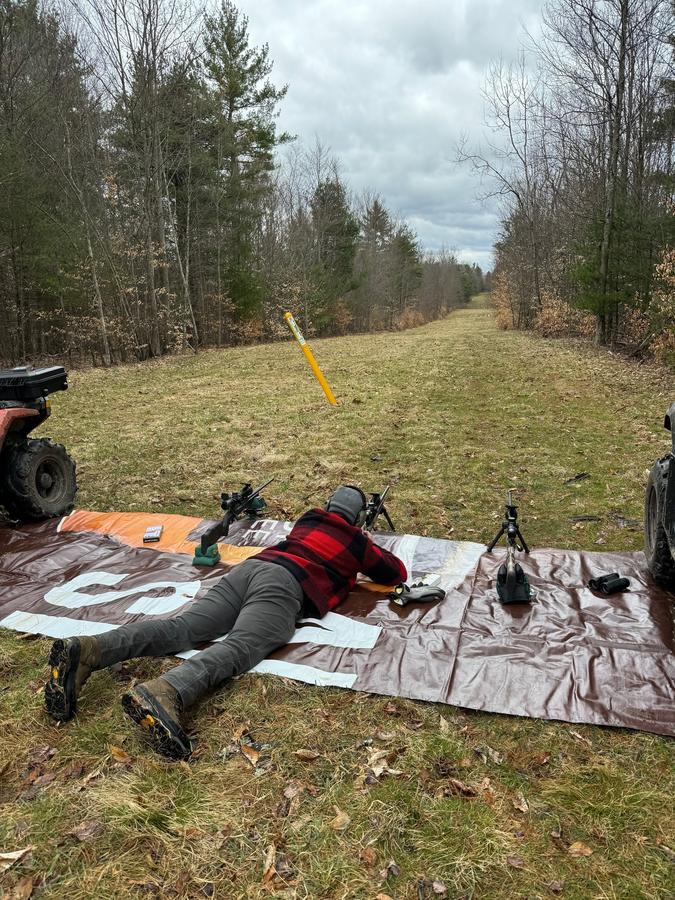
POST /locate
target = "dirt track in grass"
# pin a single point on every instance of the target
(451, 414)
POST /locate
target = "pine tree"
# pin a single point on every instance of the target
(244, 137)
(335, 232)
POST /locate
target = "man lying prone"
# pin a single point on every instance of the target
(257, 605)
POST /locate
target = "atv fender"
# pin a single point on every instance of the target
(10, 421)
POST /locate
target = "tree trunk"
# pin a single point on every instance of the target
(151, 296)
(158, 181)
(615, 121)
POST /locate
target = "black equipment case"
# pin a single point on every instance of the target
(28, 384)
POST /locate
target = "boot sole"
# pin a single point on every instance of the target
(166, 735)
(60, 693)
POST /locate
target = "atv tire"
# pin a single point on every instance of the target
(657, 549)
(38, 479)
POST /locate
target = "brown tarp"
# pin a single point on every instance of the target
(570, 655)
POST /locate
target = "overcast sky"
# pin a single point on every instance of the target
(391, 86)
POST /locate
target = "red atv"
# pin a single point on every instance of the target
(37, 476)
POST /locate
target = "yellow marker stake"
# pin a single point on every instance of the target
(297, 334)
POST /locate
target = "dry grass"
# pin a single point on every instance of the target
(451, 414)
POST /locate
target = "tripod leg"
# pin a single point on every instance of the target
(491, 545)
(522, 541)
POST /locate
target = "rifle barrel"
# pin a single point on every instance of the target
(261, 488)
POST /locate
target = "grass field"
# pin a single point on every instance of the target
(451, 414)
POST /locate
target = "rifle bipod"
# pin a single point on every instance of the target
(512, 583)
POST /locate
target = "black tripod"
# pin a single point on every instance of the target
(510, 528)
(512, 583)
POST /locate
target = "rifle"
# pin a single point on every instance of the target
(246, 502)
(512, 583)
(376, 508)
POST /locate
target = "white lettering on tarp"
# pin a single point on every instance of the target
(334, 630)
(263, 533)
(53, 626)
(72, 594)
(307, 674)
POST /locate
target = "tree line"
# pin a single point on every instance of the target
(149, 203)
(582, 158)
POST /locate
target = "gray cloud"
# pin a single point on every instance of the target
(390, 88)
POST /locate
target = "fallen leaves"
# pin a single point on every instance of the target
(341, 820)
(121, 756)
(520, 803)
(87, 831)
(8, 859)
(368, 857)
(22, 890)
(487, 753)
(378, 763)
(558, 840)
(487, 791)
(250, 753)
(384, 736)
(455, 786)
(40, 755)
(35, 783)
(255, 753)
(307, 755)
(414, 724)
(431, 887)
(445, 766)
(277, 869)
(269, 872)
(578, 849)
(391, 870)
(74, 770)
(291, 799)
(516, 862)
(88, 779)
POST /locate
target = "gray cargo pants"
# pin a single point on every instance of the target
(257, 604)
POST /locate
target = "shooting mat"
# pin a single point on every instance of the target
(571, 655)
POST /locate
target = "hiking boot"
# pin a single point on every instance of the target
(71, 662)
(156, 706)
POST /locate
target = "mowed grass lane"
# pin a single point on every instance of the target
(451, 414)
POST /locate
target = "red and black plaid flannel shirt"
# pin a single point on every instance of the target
(325, 553)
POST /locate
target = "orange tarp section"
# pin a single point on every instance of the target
(130, 527)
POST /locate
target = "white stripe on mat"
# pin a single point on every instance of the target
(308, 674)
(62, 627)
(53, 626)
